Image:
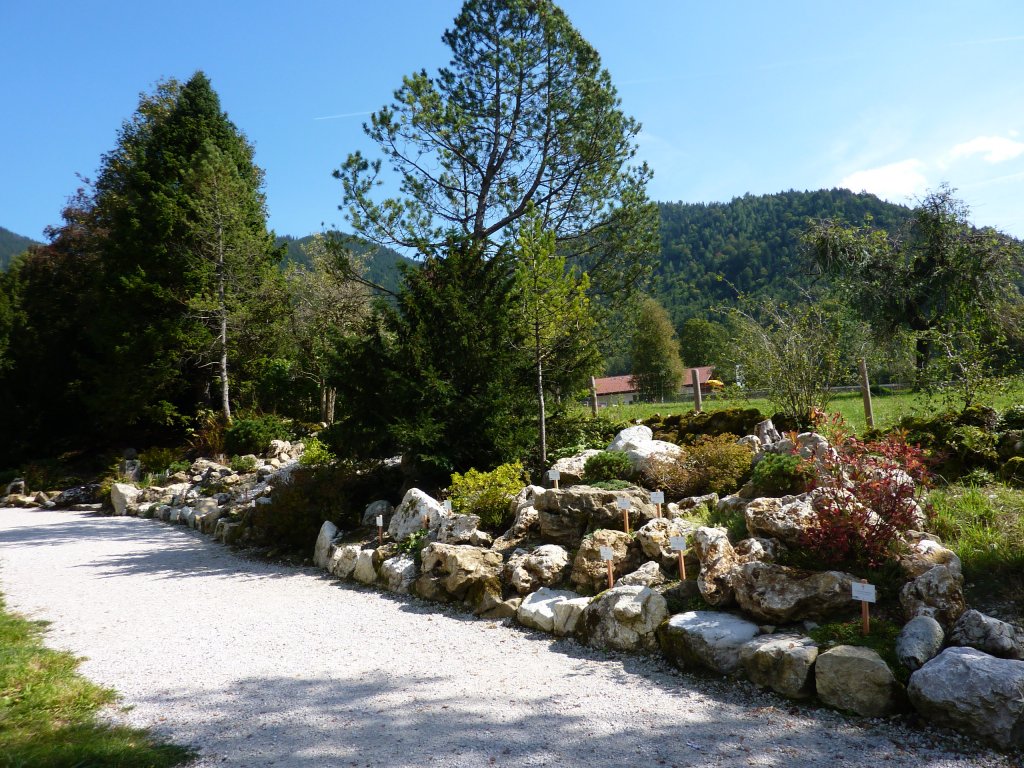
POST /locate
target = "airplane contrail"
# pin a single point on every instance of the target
(347, 114)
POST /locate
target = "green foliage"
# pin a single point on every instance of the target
(244, 464)
(1012, 418)
(657, 368)
(778, 474)
(684, 428)
(612, 485)
(12, 245)
(1012, 471)
(414, 543)
(51, 714)
(573, 430)
(704, 342)
(606, 466)
(157, 460)
(252, 434)
(487, 494)
(717, 464)
(316, 454)
(882, 640)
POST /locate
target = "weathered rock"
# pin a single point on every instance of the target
(322, 549)
(343, 560)
(655, 540)
(568, 613)
(623, 619)
(570, 469)
(80, 494)
(410, 514)
(504, 610)
(857, 680)
(380, 507)
(919, 641)
(923, 555)
(786, 519)
(565, 515)
(526, 522)
(590, 572)
(707, 639)
(463, 529)
(757, 550)
(643, 456)
(766, 432)
(777, 594)
(718, 565)
(647, 575)
(207, 513)
(537, 609)
(696, 505)
(229, 531)
(460, 573)
(784, 663)
(631, 436)
(731, 505)
(544, 566)
(398, 573)
(122, 497)
(970, 691)
(985, 633)
(938, 593)
(364, 571)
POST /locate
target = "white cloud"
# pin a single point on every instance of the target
(994, 149)
(895, 181)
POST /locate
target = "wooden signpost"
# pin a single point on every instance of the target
(866, 594)
(554, 475)
(380, 529)
(624, 505)
(608, 554)
(658, 497)
(678, 543)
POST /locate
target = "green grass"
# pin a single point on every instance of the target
(881, 639)
(48, 711)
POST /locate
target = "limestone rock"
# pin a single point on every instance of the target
(460, 573)
(923, 555)
(408, 517)
(364, 572)
(655, 539)
(322, 549)
(570, 469)
(786, 519)
(229, 531)
(590, 572)
(80, 494)
(757, 550)
(973, 692)
(537, 609)
(707, 639)
(696, 505)
(644, 455)
(766, 432)
(463, 529)
(544, 566)
(343, 560)
(718, 565)
(784, 663)
(938, 593)
(777, 594)
(380, 507)
(919, 642)
(985, 633)
(631, 436)
(647, 575)
(122, 497)
(398, 573)
(856, 679)
(526, 520)
(568, 613)
(623, 619)
(207, 513)
(565, 515)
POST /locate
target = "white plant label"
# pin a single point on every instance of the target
(623, 503)
(380, 521)
(554, 474)
(863, 592)
(447, 505)
(607, 554)
(657, 497)
(677, 543)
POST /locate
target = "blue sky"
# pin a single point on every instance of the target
(892, 97)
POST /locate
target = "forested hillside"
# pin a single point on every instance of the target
(382, 265)
(710, 252)
(11, 245)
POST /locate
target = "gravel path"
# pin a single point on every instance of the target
(257, 665)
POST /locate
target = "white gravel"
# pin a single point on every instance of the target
(257, 665)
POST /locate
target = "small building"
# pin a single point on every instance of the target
(620, 390)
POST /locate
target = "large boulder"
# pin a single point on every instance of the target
(857, 680)
(647, 575)
(463, 529)
(537, 610)
(123, 497)
(381, 507)
(342, 560)
(923, 555)
(919, 642)
(526, 520)
(655, 539)
(460, 573)
(398, 573)
(543, 566)
(973, 692)
(568, 614)
(707, 639)
(322, 549)
(590, 572)
(985, 633)
(565, 515)
(80, 494)
(623, 619)
(647, 455)
(786, 519)
(784, 663)
(938, 592)
(718, 565)
(570, 469)
(410, 514)
(365, 571)
(777, 594)
(630, 437)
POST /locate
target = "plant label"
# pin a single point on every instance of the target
(447, 504)
(677, 543)
(607, 554)
(657, 497)
(623, 503)
(864, 592)
(554, 474)
(380, 521)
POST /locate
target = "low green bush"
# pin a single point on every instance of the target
(487, 494)
(779, 474)
(718, 464)
(316, 454)
(1012, 419)
(159, 460)
(252, 434)
(612, 485)
(243, 464)
(572, 431)
(607, 465)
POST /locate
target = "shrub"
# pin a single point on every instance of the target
(244, 464)
(718, 464)
(571, 432)
(671, 475)
(612, 485)
(978, 477)
(779, 474)
(607, 465)
(159, 460)
(487, 494)
(253, 434)
(1013, 471)
(316, 454)
(1012, 419)
(207, 436)
(687, 427)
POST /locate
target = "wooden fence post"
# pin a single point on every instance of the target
(695, 379)
(865, 390)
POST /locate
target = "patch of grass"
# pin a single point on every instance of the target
(48, 711)
(882, 640)
(984, 525)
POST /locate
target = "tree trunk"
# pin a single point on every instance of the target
(328, 395)
(222, 308)
(922, 354)
(542, 414)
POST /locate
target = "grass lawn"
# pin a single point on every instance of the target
(48, 711)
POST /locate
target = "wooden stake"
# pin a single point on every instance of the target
(682, 567)
(426, 523)
(865, 390)
(611, 575)
(625, 520)
(695, 379)
(593, 395)
(865, 615)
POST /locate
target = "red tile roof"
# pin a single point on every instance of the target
(621, 385)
